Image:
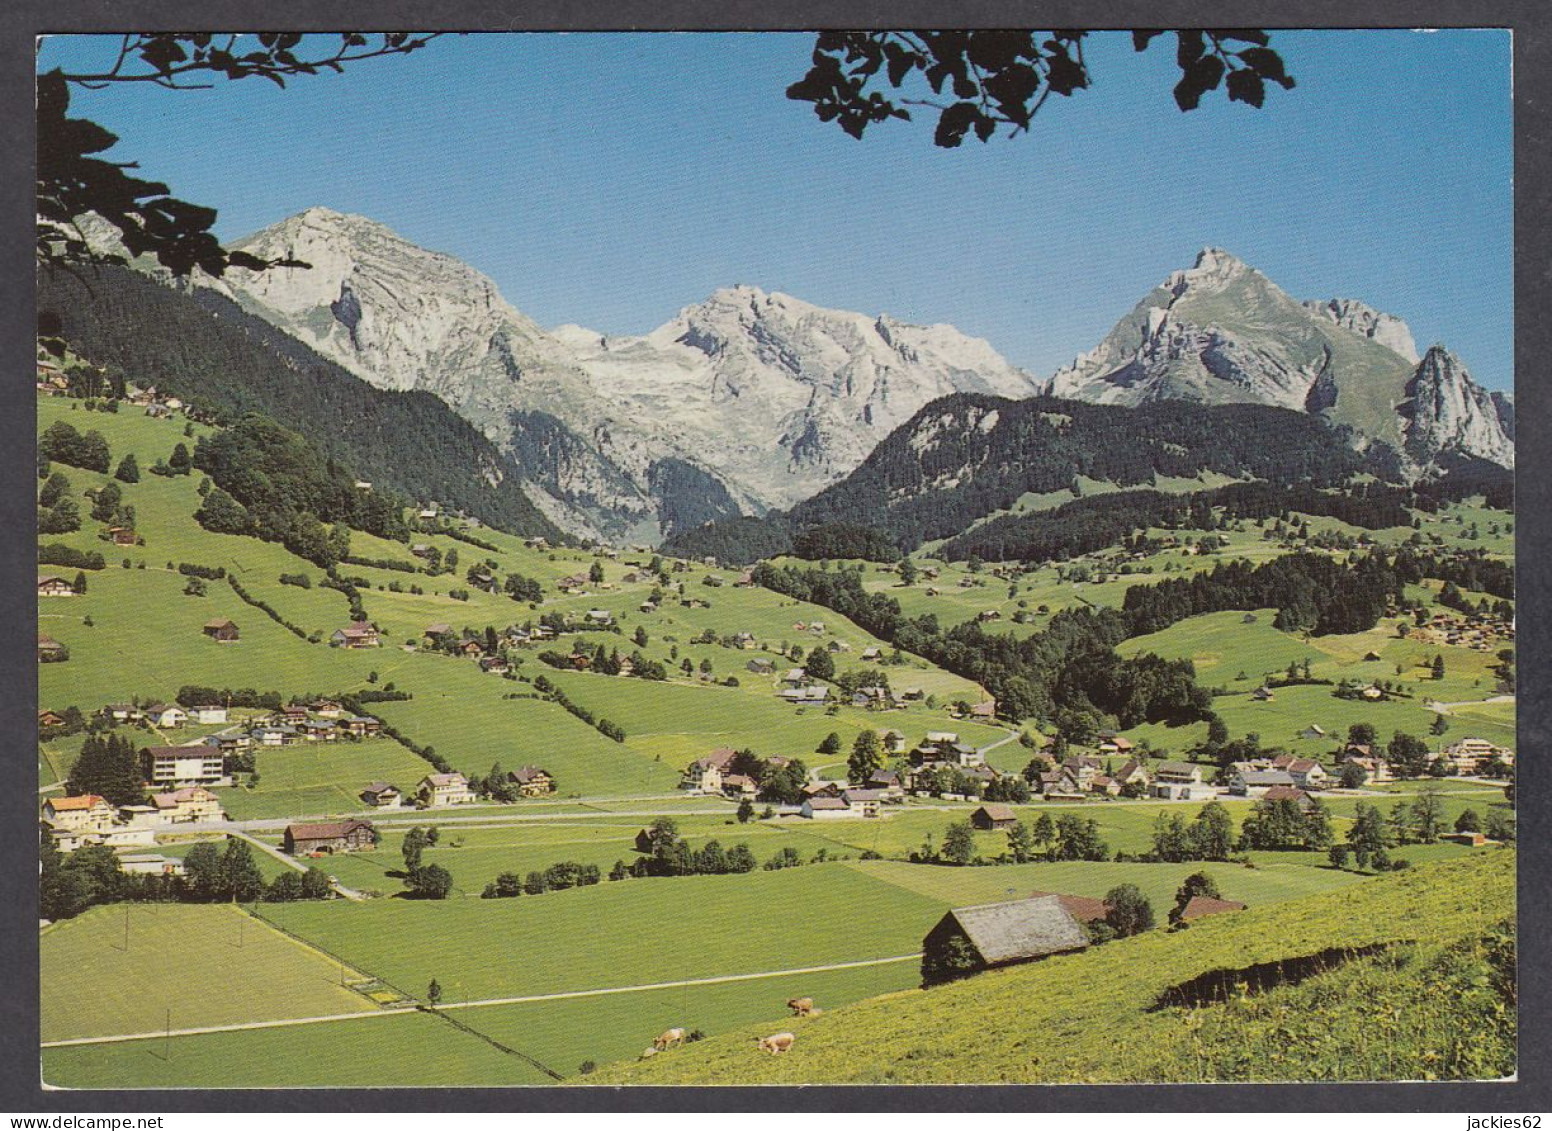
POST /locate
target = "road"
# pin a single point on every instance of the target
(293, 862)
(481, 1003)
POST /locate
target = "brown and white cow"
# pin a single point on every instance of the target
(776, 1043)
(801, 1006)
(668, 1039)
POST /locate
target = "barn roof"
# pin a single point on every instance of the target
(1083, 908)
(326, 830)
(998, 812)
(1201, 905)
(1022, 928)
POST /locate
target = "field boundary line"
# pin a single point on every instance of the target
(446, 1006)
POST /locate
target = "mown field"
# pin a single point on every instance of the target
(1427, 1004)
(197, 965)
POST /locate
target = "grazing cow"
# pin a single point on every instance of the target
(801, 1006)
(776, 1043)
(669, 1039)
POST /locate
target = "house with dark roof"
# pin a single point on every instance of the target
(1288, 793)
(1255, 783)
(222, 631)
(358, 634)
(531, 781)
(329, 836)
(991, 817)
(382, 795)
(969, 939)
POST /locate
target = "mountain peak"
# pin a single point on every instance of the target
(1362, 319)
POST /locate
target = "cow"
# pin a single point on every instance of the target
(801, 1006)
(776, 1043)
(668, 1039)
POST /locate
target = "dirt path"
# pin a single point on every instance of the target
(520, 1000)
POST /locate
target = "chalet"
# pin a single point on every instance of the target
(294, 715)
(1255, 783)
(1179, 781)
(358, 634)
(941, 738)
(1469, 839)
(531, 781)
(999, 934)
(987, 711)
(988, 615)
(822, 808)
(761, 667)
(1112, 743)
(574, 581)
(175, 766)
(275, 736)
(47, 718)
(49, 586)
(739, 787)
(1288, 793)
(704, 775)
(421, 550)
(537, 543)
(122, 713)
(817, 627)
(1469, 754)
(328, 708)
(1376, 770)
(121, 536)
(1308, 773)
(805, 694)
(599, 617)
(1081, 907)
(863, 803)
(794, 676)
(1059, 784)
(744, 641)
(382, 795)
(50, 650)
(437, 791)
(192, 803)
(1102, 784)
(319, 730)
(208, 714)
(359, 726)
(495, 665)
(837, 646)
(1085, 768)
(745, 579)
(1133, 773)
(470, 648)
(168, 715)
(87, 813)
(912, 694)
(989, 818)
(329, 836)
(1201, 906)
(1263, 695)
(872, 655)
(222, 631)
(887, 782)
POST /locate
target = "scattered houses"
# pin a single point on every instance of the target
(329, 836)
(704, 775)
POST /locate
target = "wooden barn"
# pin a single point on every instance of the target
(970, 939)
(329, 836)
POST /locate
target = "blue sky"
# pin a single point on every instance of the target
(610, 180)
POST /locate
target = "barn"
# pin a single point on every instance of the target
(990, 817)
(970, 939)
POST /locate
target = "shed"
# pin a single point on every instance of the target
(989, 817)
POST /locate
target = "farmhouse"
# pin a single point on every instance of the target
(319, 730)
(359, 726)
(494, 665)
(813, 694)
(1133, 773)
(894, 742)
(1288, 793)
(208, 713)
(440, 790)
(1468, 755)
(1255, 783)
(888, 783)
(382, 795)
(87, 813)
(825, 808)
(760, 667)
(1307, 773)
(121, 536)
(358, 634)
(54, 587)
(968, 939)
(1376, 770)
(175, 766)
(531, 781)
(989, 818)
(328, 708)
(192, 803)
(739, 787)
(1178, 781)
(47, 718)
(221, 630)
(166, 715)
(704, 775)
(863, 802)
(329, 836)
(50, 650)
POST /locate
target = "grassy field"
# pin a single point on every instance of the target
(1425, 1007)
(321, 777)
(207, 965)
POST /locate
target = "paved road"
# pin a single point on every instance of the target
(392, 1010)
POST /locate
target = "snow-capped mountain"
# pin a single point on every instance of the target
(1222, 332)
(740, 403)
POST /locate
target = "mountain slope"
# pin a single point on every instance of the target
(757, 399)
(1292, 991)
(209, 352)
(1222, 332)
(966, 456)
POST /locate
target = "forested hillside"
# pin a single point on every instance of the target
(967, 456)
(207, 351)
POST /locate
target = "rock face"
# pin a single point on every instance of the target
(1447, 412)
(1386, 329)
(1222, 332)
(741, 403)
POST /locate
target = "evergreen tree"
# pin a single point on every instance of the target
(109, 767)
(820, 664)
(831, 744)
(240, 877)
(128, 469)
